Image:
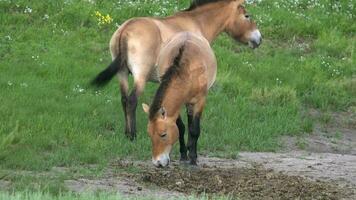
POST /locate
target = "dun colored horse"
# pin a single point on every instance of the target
(135, 45)
(191, 71)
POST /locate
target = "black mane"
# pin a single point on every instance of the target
(173, 71)
(198, 3)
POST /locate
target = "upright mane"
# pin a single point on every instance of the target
(197, 3)
(173, 71)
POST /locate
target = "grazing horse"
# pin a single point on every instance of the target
(191, 71)
(135, 45)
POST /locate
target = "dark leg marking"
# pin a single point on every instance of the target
(194, 132)
(124, 100)
(194, 139)
(124, 103)
(131, 114)
(183, 148)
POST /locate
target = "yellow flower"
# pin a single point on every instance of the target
(102, 19)
(97, 13)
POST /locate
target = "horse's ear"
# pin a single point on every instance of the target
(146, 108)
(162, 112)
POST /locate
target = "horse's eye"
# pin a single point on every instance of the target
(247, 16)
(163, 135)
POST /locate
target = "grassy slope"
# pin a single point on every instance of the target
(49, 118)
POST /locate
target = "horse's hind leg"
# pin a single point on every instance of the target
(124, 89)
(183, 148)
(139, 85)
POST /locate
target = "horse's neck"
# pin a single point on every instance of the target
(174, 99)
(211, 20)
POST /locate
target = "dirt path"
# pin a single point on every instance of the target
(123, 184)
(317, 166)
(324, 169)
(252, 176)
(333, 133)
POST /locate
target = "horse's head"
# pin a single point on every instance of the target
(241, 27)
(164, 133)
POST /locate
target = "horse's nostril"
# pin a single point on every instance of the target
(159, 164)
(254, 44)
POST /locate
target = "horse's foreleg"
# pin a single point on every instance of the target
(193, 139)
(192, 136)
(194, 114)
(183, 148)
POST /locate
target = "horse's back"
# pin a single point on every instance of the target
(197, 50)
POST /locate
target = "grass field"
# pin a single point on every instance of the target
(45, 196)
(50, 50)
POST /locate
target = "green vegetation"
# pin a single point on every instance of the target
(50, 50)
(100, 196)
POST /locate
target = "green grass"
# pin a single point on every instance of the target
(98, 196)
(49, 117)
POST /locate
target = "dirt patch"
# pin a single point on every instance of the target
(245, 183)
(249, 177)
(333, 133)
(293, 175)
(4, 185)
(325, 169)
(329, 167)
(124, 184)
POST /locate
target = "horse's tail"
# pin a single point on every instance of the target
(117, 65)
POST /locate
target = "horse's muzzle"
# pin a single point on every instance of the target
(255, 39)
(162, 161)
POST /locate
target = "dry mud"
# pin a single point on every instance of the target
(324, 169)
(294, 175)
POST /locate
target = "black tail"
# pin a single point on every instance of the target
(117, 65)
(106, 75)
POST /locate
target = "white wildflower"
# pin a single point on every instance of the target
(28, 10)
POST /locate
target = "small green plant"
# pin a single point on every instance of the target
(338, 135)
(276, 96)
(11, 139)
(325, 118)
(301, 143)
(307, 125)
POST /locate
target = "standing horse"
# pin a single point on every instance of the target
(135, 45)
(191, 71)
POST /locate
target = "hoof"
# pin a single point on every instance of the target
(184, 158)
(184, 162)
(131, 136)
(193, 162)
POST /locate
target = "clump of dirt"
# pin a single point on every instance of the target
(245, 183)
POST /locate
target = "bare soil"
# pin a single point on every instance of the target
(4, 185)
(125, 184)
(297, 174)
(322, 167)
(333, 133)
(244, 183)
